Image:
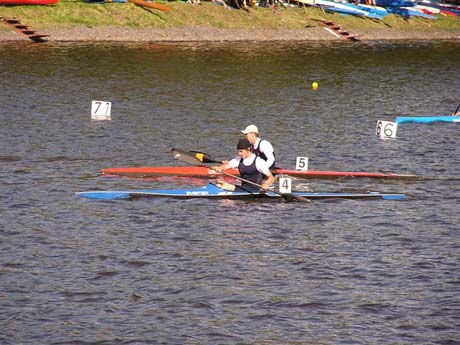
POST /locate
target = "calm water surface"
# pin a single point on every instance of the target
(232, 272)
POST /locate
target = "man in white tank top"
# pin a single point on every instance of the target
(261, 147)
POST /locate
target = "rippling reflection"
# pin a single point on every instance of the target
(160, 271)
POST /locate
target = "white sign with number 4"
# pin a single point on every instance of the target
(386, 129)
(301, 163)
(100, 110)
(285, 185)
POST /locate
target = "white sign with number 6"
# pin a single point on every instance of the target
(301, 163)
(386, 129)
(100, 110)
(285, 185)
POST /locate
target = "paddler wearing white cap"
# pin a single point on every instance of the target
(261, 147)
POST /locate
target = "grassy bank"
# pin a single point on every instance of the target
(73, 14)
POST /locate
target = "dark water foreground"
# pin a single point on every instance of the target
(162, 271)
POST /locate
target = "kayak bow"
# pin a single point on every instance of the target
(426, 119)
(211, 191)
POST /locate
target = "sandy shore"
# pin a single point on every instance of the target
(200, 34)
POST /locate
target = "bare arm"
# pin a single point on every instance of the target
(270, 179)
(262, 167)
(224, 166)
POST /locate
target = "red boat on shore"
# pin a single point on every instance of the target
(207, 172)
(28, 2)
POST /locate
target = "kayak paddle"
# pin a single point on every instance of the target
(189, 158)
(456, 113)
(204, 157)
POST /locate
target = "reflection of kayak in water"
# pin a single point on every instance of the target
(151, 5)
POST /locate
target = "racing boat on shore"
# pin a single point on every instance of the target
(211, 191)
(373, 12)
(28, 2)
(426, 119)
(151, 4)
(207, 172)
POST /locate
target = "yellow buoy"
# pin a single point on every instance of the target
(314, 85)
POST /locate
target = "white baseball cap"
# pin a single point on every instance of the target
(250, 129)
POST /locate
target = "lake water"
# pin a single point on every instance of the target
(161, 271)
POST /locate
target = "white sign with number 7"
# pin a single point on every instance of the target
(100, 110)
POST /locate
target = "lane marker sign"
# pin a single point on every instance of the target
(285, 185)
(301, 163)
(386, 129)
(100, 110)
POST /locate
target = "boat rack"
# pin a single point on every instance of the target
(337, 30)
(24, 29)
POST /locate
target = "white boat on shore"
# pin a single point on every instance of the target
(368, 11)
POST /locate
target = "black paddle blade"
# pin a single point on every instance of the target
(186, 157)
(293, 197)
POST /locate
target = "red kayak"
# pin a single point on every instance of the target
(203, 172)
(28, 2)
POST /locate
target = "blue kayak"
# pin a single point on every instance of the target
(211, 191)
(426, 119)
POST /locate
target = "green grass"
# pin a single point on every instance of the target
(69, 14)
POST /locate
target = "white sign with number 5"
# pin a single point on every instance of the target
(301, 163)
(285, 185)
(386, 129)
(100, 110)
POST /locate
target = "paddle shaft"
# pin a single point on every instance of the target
(178, 154)
(456, 111)
(187, 158)
(206, 158)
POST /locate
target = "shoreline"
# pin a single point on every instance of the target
(213, 34)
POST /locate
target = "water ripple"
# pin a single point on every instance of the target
(160, 271)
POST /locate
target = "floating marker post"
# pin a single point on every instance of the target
(301, 163)
(100, 110)
(285, 185)
(386, 129)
